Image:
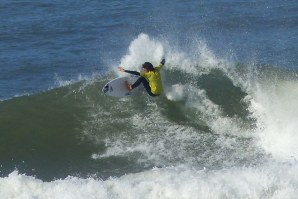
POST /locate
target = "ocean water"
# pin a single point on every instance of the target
(225, 127)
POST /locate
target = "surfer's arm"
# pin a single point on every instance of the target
(132, 72)
(128, 71)
(162, 63)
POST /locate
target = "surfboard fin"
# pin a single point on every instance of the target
(106, 88)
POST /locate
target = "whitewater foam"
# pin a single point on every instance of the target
(213, 116)
(268, 181)
(274, 105)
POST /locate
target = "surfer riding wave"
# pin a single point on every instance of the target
(150, 78)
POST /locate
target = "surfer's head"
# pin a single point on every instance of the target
(148, 66)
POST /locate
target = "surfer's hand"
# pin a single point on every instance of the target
(163, 61)
(121, 69)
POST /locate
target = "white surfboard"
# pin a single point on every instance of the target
(117, 87)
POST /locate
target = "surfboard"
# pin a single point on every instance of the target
(117, 87)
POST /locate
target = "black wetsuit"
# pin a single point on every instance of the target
(142, 80)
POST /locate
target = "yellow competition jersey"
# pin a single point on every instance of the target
(154, 80)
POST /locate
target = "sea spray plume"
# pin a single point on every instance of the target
(140, 50)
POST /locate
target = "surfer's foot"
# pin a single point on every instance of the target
(128, 86)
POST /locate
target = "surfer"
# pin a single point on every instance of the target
(150, 78)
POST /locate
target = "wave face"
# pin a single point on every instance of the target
(221, 130)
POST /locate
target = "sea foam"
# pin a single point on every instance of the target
(268, 181)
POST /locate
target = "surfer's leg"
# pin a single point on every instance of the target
(146, 85)
(138, 82)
